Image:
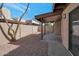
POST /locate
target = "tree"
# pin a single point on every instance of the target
(14, 32)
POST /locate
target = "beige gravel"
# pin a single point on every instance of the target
(30, 45)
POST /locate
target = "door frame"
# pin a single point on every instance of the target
(70, 30)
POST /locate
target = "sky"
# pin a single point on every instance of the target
(17, 9)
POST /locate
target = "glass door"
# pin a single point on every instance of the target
(74, 31)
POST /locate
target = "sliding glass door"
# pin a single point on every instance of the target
(74, 31)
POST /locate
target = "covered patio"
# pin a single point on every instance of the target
(53, 17)
(54, 38)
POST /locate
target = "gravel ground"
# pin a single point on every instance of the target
(30, 45)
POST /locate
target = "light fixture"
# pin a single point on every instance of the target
(64, 16)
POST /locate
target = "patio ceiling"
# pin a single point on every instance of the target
(52, 16)
(49, 17)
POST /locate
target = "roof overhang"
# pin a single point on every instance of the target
(54, 15)
(49, 17)
(53, 18)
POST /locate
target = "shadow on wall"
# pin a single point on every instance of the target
(30, 45)
(2, 30)
(23, 31)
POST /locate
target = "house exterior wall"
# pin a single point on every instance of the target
(48, 28)
(57, 27)
(65, 24)
(24, 30)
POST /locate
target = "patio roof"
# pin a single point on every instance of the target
(54, 15)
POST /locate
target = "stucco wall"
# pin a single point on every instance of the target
(57, 27)
(24, 30)
(65, 24)
(28, 29)
(2, 37)
(48, 28)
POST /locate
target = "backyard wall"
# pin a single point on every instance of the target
(24, 30)
(65, 24)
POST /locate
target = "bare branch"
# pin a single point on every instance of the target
(20, 19)
(6, 23)
(2, 30)
(1, 5)
(12, 35)
(3, 14)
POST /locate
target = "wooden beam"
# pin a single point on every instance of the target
(57, 12)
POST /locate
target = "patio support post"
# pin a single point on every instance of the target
(41, 30)
(44, 29)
